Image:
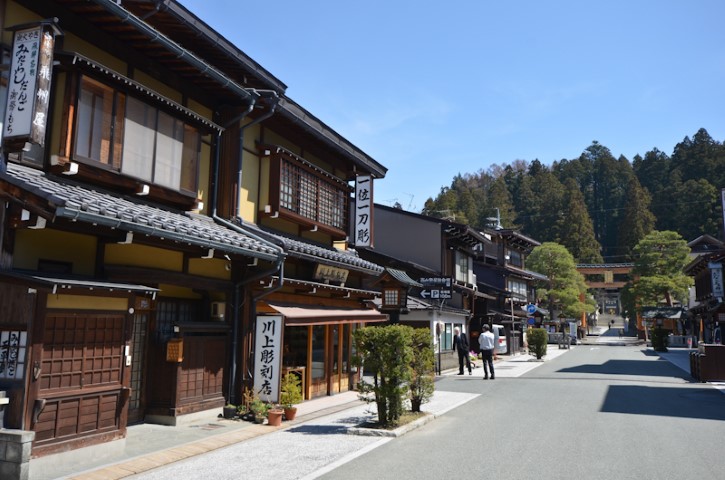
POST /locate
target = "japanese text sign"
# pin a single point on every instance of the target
(363, 221)
(267, 361)
(29, 82)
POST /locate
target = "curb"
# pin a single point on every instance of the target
(397, 432)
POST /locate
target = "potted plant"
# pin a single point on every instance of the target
(274, 416)
(229, 411)
(290, 393)
(259, 409)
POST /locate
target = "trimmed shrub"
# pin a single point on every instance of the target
(385, 353)
(537, 339)
(422, 369)
(659, 339)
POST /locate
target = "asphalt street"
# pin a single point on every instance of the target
(589, 412)
(598, 412)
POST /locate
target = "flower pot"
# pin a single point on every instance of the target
(259, 419)
(229, 412)
(290, 413)
(274, 417)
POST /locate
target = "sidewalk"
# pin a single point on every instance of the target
(149, 446)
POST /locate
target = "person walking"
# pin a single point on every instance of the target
(460, 343)
(486, 342)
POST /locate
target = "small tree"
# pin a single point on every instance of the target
(537, 338)
(422, 369)
(565, 286)
(290, 391)
(385, 353)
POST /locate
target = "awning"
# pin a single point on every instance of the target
(318, 315)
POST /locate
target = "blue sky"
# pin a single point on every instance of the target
(434, 89)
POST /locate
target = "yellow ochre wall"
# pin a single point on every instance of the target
(87, 302)
(47, 244)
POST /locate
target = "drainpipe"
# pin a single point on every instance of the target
(271, 94)
(238, 301)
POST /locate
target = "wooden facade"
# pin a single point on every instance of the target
(135, 254)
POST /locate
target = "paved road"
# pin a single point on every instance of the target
(594, 413)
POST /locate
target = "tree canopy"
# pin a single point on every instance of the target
(565, 289)
(658, 269)
(624, 200)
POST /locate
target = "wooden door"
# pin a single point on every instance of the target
(80, 376)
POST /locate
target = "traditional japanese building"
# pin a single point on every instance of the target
(162, 196)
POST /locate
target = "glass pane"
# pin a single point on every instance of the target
(346, 348)
(295, 346)
(308, 196)
(287, 188)
(318, 352)
(169, 149)
(190, 159)
(138, 141)
(93, 121)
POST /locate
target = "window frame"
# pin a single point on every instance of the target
(305, 194)
(187, 165)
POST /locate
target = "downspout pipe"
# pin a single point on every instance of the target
(274, 97)
(238, 301)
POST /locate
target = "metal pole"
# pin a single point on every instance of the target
(513, 328)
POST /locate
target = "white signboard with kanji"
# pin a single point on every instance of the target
(267, 357)
(363, 217)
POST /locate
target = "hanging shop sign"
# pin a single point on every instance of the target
(363, 211)
(267, 357)
(29, 82)
(325, 273)
(716, 279)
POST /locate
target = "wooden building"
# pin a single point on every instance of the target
(172, 191)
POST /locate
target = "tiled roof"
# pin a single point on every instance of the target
(403, 277)
(75, 202)
(319, 253)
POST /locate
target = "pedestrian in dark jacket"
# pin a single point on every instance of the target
(460, 343)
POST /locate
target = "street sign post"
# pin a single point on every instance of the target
(436, 288)
(531, 309)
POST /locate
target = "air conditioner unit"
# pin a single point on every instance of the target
(218, 309)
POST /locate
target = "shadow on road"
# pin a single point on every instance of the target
(630, 367)
(705, 403)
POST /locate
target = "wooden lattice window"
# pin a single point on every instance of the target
(309, 193)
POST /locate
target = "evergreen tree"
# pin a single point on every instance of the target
(527, 206)
(608, 194)
(565, 288)
(698, 209)
(653, 174)
(575, 229)
(637, 220)
(499, 197)
(658, 269)
(549, 208)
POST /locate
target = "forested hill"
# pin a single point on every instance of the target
(596, 205)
